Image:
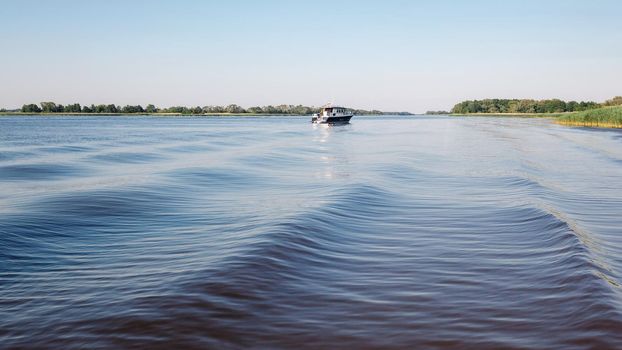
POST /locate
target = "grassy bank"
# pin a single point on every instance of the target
(606, 117)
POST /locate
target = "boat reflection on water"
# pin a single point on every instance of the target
(333, 151)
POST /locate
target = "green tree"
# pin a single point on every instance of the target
(178, 109)
(132, 109)
(49, 107)
(73, 108)
(521, 106)
(213, 109)
(31, 108)
(233, 108)
(111, 109)
(151, 109)
(255, 110)
(616, 101)
(584, 106)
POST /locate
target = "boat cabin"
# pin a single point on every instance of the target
(333, 111)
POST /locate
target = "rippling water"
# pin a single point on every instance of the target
(119, 232)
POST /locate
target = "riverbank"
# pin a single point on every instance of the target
(515, 115)
(60, 114)
(149, 114)
(232, 109)
(607, 114)
(606, 117)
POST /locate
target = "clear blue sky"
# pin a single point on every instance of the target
(391, 55)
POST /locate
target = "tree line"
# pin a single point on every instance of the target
(51, 107)
(529, 106)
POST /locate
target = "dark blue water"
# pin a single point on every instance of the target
(441, 233)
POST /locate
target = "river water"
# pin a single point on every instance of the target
(391, 232)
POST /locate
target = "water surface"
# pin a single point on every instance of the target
(446, 233)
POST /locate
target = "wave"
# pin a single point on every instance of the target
(229, 236)
(127, 157)
(338, 262)
(41, 171)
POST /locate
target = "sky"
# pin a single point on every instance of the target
(391, 55)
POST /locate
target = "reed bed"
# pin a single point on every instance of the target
(606, 117)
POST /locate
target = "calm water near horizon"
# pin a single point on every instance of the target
(269, 232)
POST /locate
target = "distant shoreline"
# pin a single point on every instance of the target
(53, 108)
(43, 114)
(142, 114)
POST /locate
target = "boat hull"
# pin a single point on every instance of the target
(342, 119)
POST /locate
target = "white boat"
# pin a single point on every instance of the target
(330, 114)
